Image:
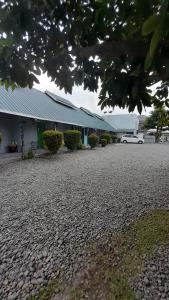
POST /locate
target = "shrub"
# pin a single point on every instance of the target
(30, 154)
(103, 142)
(114, 138)
(106, 136)
(80, 146)
(93, 140)
(72, 139)
(0, 138)
(53, 140)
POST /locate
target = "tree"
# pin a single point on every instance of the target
(158, 118)
(122, 44)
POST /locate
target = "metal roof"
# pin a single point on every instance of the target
(123, 122)
(47, 106)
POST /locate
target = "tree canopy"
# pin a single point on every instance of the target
(122, 44)
(158, 118)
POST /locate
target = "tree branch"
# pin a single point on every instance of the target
(113, 49)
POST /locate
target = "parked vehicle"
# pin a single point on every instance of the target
(129, 138)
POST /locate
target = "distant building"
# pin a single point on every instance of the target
(141, 119)
(26, 113)
(127, 123)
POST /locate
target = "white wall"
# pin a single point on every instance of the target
(30, 133)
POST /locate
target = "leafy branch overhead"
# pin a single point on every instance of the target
(122, 44)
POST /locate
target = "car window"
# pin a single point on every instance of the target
(134, 136)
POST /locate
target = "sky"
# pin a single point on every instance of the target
(80, 97)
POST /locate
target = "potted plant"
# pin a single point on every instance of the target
(12, 147)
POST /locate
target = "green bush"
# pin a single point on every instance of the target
(103, 142)
(72, 139)
(114, 138)
(30, 154)
(53, 140)
(80, 146)
(93, 140)
(106, 136)
(0, 138)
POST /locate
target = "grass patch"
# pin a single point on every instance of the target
(114, 264)
(48, 292)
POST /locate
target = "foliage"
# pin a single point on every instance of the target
(81, 146)
(72, 139)
(0, 138)
(103, 142)
(28, 155)
(158, 118)
(125, 47)
(114, 138)
(93, 140)
(53, 140)
(106, 136)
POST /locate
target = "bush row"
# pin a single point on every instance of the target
(53, 140)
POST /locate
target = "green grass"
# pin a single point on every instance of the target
(48, 292)
(115, 264)
(130, 247)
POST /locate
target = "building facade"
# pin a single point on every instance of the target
(26, 113)
(123, 124)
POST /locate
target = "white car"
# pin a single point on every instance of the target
(129, 138)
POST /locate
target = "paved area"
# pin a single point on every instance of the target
(51, 208)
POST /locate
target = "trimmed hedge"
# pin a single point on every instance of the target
(93, 139)
(72, 139)
(0, 138)
(103, 142)
(53, 140)
(106, 136)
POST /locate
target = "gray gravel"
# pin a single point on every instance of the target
(51, 208)
(153, 282)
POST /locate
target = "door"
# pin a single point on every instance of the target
(40, 130)
(135, 139)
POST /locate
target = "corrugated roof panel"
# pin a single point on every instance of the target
(36, 104)
(122, 122)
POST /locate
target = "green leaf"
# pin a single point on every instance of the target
(167, 102)
(139, 107)
(155, 41)
(148, 61)
(150, 25)
(5, 42)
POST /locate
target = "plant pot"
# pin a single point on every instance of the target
(12, 148)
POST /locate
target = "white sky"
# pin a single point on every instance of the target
(80, 97)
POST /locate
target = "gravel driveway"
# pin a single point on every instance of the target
(50, 208)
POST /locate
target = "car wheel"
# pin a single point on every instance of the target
(125, 142)
(140, 142)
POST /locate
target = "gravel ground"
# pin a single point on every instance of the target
(153, 282)
(50, 208)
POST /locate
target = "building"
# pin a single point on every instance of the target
(127, 123)
(141, 119)
(26, 113)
